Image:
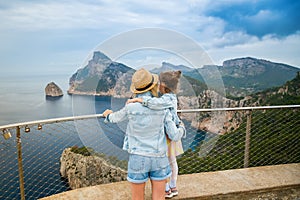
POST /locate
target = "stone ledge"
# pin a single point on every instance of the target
(268, 182)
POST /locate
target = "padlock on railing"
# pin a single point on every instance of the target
(6, 134)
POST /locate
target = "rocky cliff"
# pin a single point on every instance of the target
(83, 171)
(102, 76)
(214, 122)
(52, 90)
(226, 122)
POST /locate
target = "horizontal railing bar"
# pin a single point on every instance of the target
(237, 108)
(50, 121)
(62, 119)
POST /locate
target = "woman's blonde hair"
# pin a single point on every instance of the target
(154, 91)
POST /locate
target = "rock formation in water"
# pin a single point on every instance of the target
(52, 90)
(83, 171)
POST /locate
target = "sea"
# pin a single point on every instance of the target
(23, 100)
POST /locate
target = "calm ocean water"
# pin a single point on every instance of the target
(22, 100)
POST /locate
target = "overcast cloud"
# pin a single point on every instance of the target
(58, 34)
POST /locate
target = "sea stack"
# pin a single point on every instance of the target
(52, 90)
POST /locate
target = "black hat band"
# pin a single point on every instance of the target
(147, 86)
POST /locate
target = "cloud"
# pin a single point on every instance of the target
(52, 15)
(281, 50)
(33, 16)
(226, 28)
(258, 18)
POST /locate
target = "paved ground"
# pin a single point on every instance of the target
(257, 183)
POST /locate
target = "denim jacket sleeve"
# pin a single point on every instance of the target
(174, 132)
(118, 116)
(155, 103)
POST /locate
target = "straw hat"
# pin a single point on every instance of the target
(143, 81)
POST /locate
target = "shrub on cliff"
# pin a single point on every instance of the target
(85, 151)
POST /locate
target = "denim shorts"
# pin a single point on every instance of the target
(141, 168)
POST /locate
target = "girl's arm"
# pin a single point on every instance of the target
(161, 103)
(174, 133)
(154, 103)
(134, 100)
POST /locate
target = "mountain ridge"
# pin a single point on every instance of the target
(241, 76)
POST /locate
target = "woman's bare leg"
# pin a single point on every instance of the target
(137, 191)
(158, 189)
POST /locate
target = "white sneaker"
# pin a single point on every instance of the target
(174, 191)
(169, 194)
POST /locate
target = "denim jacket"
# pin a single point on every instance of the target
(145, 133)
(167, 100)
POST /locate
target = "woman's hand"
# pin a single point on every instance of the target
(134, 100)
(107, 112)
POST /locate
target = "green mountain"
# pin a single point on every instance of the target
(241, 76)
(165, 66)
(250, 75)
(287, 94)
(245, 76)
(197, 86)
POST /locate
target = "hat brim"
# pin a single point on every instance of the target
(155, 81)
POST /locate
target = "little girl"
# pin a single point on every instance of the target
(168, 88)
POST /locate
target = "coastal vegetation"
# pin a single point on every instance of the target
(274, 140)
(88, 151)
(274, 136)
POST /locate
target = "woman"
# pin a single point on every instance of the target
(169, 81)
(145, 138)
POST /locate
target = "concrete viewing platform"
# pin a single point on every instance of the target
(267, 182)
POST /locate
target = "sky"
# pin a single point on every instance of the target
(56, 36)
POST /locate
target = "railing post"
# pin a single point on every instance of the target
(20, 165)
(247, 139)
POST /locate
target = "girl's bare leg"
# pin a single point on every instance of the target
(174, 167)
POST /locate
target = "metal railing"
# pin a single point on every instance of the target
(246, 137)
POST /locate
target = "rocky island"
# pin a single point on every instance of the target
(52, 90)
